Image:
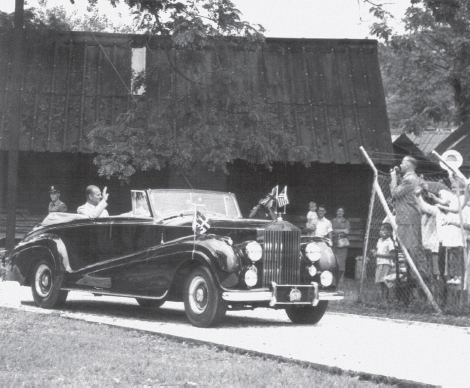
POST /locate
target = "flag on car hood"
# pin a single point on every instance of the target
(282, 199)
(270, 198)
(200, 223)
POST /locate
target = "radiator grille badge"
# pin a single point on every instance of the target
(295, 295)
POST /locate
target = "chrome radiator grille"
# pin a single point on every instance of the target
(281, 257)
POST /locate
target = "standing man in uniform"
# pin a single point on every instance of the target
(408, 214)
(56, 205)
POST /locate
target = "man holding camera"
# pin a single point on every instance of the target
(408, 214)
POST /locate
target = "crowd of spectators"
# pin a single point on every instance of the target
(336, 230)
(433, 225)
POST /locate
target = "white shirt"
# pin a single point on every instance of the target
(312, 217)
(454, 238)
(384, 247)
(93, 211)
(323, 228)
(451, 236)
(431, 226)
(466, 220)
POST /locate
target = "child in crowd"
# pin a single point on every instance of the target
(312, 218)
(384, 253)
(431, 224)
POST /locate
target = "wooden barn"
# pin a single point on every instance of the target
(331, 90)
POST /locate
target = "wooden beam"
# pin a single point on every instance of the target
(15, 123)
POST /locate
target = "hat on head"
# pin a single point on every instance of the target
(54, 189)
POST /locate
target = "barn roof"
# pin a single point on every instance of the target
(404, 143)
(332, 90)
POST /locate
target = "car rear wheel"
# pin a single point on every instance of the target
(203, 303)
(150, 302)
(307, 314)
(45, 286)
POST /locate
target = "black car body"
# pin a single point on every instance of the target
(153, 255)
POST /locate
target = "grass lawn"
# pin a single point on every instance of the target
(47, 350)
(372, 306)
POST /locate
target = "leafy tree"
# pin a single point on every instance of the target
(426, 69)
(217, 118)
(56, 19)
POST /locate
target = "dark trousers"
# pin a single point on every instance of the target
(410, 237)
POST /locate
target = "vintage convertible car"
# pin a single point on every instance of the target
(152, 254)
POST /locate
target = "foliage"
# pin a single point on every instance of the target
(215, 117)
(427, 69)
(215, 121)
(56, 19)
(417, 96)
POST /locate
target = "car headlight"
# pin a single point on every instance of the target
(326, 278)
(251, 277)
(313, 252)
(312, 271)
(254, 251)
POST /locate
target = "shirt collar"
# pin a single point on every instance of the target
(409, 173)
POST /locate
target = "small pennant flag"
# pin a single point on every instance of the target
(200, 223)
(282, 199)
(269, 200)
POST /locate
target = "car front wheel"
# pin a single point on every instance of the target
(307, 314)
(46, 285)
(203, 303)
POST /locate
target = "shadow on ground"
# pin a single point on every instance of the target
(163, 315)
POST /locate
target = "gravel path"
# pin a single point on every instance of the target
(419, 352)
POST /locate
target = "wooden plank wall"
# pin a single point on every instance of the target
(328, 92)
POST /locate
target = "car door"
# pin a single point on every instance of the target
(128, 243)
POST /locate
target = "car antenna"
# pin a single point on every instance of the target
(192, 188)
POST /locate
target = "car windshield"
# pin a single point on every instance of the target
(167, 203)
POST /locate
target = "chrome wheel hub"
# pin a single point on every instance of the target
(198, 295)
(43, 280)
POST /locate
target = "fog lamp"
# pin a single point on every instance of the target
(251, 278)
(312, 271)
(326, 278)
(254, 251)
(313, 252)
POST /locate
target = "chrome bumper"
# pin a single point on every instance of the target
(270, 296)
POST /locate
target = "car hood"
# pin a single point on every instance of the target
(220, 223)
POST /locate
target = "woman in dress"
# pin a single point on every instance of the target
(340, 230)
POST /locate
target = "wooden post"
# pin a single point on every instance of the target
(403, 247)
(2, 179)
(15, 123)
(366, 238)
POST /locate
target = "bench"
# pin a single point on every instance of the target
(24, 224)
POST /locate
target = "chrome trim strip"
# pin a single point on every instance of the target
(295, 285)
(247, 296)
(331, 295)
(100, 292)
(267, 296)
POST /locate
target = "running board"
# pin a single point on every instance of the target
(107, 293)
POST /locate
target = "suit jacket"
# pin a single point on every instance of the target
(406, 205)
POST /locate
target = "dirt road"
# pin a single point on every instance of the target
(425, 353)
